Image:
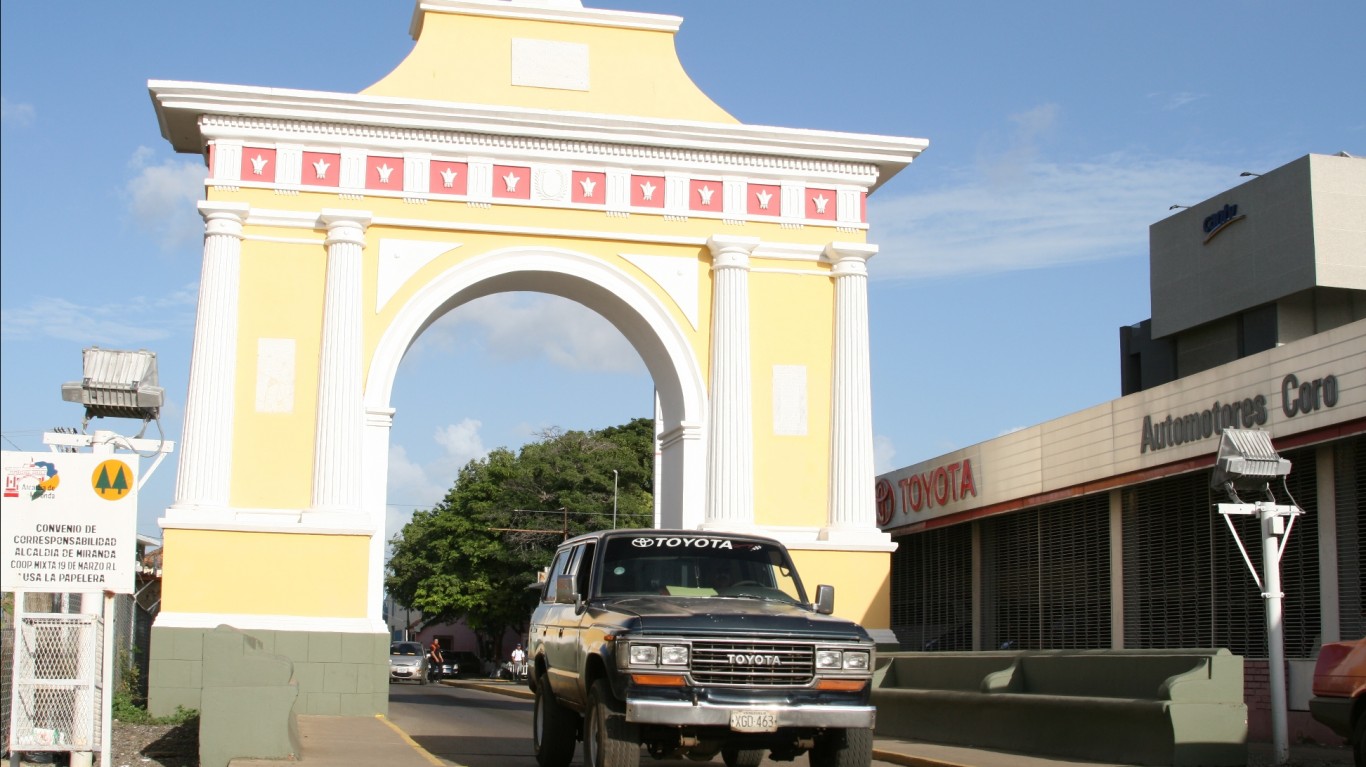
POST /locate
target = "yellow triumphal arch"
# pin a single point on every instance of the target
(529, 145)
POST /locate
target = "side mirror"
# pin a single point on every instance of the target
(825, 599)
(564, 590)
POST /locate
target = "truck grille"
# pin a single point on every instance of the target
(753, 664)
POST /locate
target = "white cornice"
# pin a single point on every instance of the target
(544, 12)
(179, 106)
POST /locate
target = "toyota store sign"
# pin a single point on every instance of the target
(68, 522)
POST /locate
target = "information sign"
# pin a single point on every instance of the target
(68, 522)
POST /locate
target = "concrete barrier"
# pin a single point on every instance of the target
(247, 702)
(1169, 707)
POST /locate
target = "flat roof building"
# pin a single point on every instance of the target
(1097, 530)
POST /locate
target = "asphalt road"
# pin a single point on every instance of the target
(482, 729)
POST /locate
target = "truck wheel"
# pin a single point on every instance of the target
(742, 757)
(552, 729)
(843, 748)
(608, 739)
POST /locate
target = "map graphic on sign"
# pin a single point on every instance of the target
(33, 480)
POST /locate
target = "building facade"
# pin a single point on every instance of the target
(1098, 529)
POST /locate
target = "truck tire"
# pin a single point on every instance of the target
(742, 757)
(552, 729)
(608, 739)
(843, 748)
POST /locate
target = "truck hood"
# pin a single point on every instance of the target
(737, 617)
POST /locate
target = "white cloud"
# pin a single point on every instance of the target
(414, 485)
(17, 115)
(884, 453)
(138, 321)
(521, 326)
(161, 198)
(461, 443)
(1169, 102)
(1031, 214)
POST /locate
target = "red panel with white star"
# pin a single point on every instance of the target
(258, 165)
(822, 204)
(449, 177)
(512, 182)
(764, 200)
(647, 191)
(321, 169)
(384, 173)
(590, 188)
(706, 195)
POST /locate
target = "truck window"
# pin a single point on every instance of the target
(558, 567)
(698, 567)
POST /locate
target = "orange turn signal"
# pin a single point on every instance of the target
(842, 685)
(659, 680)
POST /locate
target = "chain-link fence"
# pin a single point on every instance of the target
(58, 682)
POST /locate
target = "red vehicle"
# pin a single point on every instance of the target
(1340, 693)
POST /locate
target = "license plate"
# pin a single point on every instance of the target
(754, 721)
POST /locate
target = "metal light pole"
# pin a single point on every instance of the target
(615, 477)
(1246, 462)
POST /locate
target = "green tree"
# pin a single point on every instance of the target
(476, 554)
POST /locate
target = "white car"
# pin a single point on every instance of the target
(407, 662)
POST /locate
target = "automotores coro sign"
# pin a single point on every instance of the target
(68, 522)
(926, 490)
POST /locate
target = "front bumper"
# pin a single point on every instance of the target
(1336, 713)
(706, 714)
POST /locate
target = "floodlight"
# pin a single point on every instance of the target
(117, 384)
(1246, 462)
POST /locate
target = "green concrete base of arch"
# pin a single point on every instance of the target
(340, 674)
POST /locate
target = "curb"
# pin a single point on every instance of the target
(424, 753)
(907, 760)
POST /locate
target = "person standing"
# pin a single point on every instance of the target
(519, 661)
(434, 660)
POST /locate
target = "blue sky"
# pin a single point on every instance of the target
(1012, 250)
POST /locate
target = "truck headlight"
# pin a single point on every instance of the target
(673, 655)
(842, 660)
(856, 661)
(658, 655)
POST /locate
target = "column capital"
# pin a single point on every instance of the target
(223, 217)
(850, 257)
(731, 252)
(345, 225)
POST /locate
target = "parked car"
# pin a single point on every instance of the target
(407, 662)
(467, 663)
(1340, 693)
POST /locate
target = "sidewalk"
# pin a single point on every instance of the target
(350, 741)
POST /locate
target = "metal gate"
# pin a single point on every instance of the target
(58, 683)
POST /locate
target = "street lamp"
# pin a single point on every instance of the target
(117, 384)
(1247, 173)
(1174, 207)
(1245, 465)
(615, 477)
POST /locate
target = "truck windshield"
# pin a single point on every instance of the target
(698, 566)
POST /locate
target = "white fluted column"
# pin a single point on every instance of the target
(852, 511)
(730, 456)
(204, 472)
(341, 407)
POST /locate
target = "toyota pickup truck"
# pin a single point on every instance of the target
(691, 644)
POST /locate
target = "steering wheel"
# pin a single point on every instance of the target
(738, 584)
